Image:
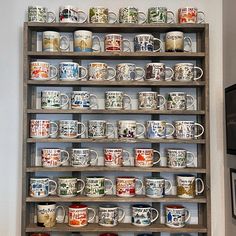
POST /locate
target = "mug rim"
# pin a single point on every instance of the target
(97, 121)
(140, 205)
(122, 64)
(68, 62)
(36, 178)
(186, 176)
(143, 149)
(177, 93)
(36, 6)
(184, 63)
(101, 63)
(113, 35)
(188, 7)
(125, 177)
(67, 177)
(113, 149)
(40, 120)
(51, 32)
(95, 177)
(68, 120)
(155, 63)
(176, 149)
(99, 7)
(80, 148)
(157, 7)
(78, 206)
(83, 31)
(80, 92)
(175, 31)
(185, 121)
(175, 207)
(139, 35)
(155, 178)
(46, 203)
(114, 92)
(108, 206)
(149, 121)
(68, 6)
(129, 7)
(51, 149)
(45, 91)
(39, 62)
(148, 92)
(127, 121)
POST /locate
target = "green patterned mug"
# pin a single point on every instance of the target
(160, 15)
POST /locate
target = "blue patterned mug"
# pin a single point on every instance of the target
(83, 100)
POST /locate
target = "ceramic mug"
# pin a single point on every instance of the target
(158, 129)
(150, 101)
(187, 129)
(54, 157)
(116, 157)
(187, 72)
(53, 42)
(40, 14)
(158, 72)
(97, 186)
(100, 71)
(117, 100)
(42, 128)
(127, 186)
(70, 128)
(176, 42)
(51, 99)
(190, 15)
(40, 70)
(83, 157)
(116, 43)
(129, 71)
(187, 186)
(176, 216)
(142, 215)
(129, 129)
(79, 215)
(144, 157)
(69, 186)
(101, 15)
(84, 41)
(160, 15)
(71, 14)
(179, 158)
(41, 187)
(83, 100)
(132, 15)
(110, 215)
(47, 214)
(146, 43)
(180, 101)
(100, 129)
(157, 187)
(71, 71)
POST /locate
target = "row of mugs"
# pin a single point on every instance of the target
(115, 157)
(85, 41)
(188, 186)
(99, 71)
(102, 15)
(116, 100)
(126, 129)
(109, 215)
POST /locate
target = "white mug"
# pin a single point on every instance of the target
(71, 14)
(70, 128)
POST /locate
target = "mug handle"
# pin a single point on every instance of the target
(140, 77)
(67, 156)
(172, 132)
(51, 67)
(85, 16)
(94, 214)
(83, 129)
(160, 47)
(60, 219)
(167, 190)
(85, 72)
(190, 157)
(172, 17)
(67, 42)
(188, 40)
(201, 72)
(95, 99)
(171, 73)
(99, 43)
(159, 159)
(157, 215)
(52, 15)
(115, 16)
(143, 131)
(111, 187)
(141, 185)
(82, 186)
(187, 215)
(109, 68)
(55, 186)
(193, 100)
(202, 18)
(67, 99)
(112, 131)
(122, 214)
(54, 123)
(128, 161)
(198, 135)
(128, 46)
(94, 160)
(163, 103)
(129, 101)
(144, 17)
(202, 185)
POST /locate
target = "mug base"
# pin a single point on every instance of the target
(154, 196)
(172, 226)
(94, 196)
(125, 196)
(141, 225)
(174, 50)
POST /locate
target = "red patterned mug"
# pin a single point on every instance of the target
(190, 15)
(115, 42)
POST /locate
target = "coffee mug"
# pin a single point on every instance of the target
(42, 71)
(51, 99)
(71, 14)
(83, 157)
(132, 15)
(146, 43)
(110, 215)
(47, 214)
(187, 186)
(158, 129)
(54, 157)
(79, 215)
(179, 158)
(157, 187)
(144, 157)
(187, 72)
(150, 101)
(84, 41)
(101, 15)
(70, 128)
(187, 129)
(42, 128)
(190, 15)
(100, 71)
(142, 215)
(69, 186)
(71, 71)
(180, 101)
(53, 42)
(41, 187)
(97, 186)
(159, 15)
(158, 72)
(40, 14)
(129, 129)
(116, 157)
(83, 100)
(176, 216)
(176, 42)
(117, 100)
(100, 129)
(129, 71)
(127, 186)
(116, 43)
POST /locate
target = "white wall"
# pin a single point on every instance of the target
(13, 16)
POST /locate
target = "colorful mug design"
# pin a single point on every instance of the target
(101, 15)
(129, 129)
(40, 14)
(117, 100)
(83, 100)
(179, 101)
(190, 15)
(159, 15)
(115, 157)
(71, 14)
(150, 101)
(144, 157)
(132, 15)
(116, 43)
(101, 71)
